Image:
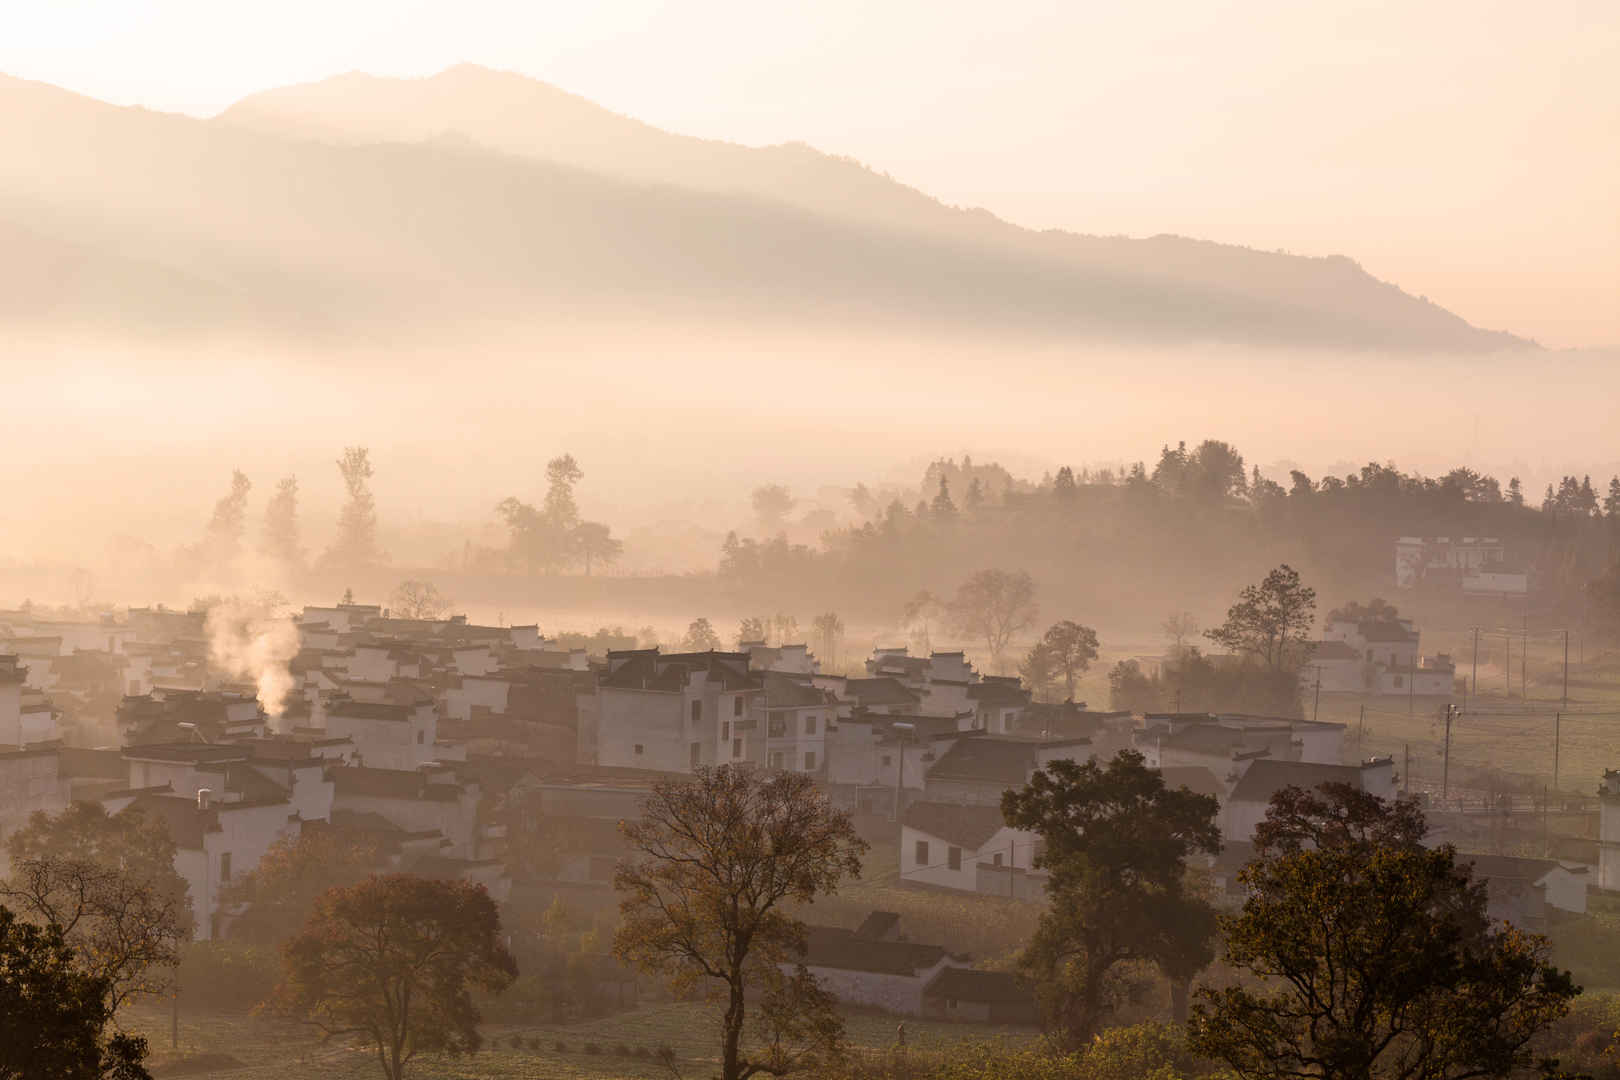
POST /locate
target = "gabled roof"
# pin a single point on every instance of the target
(1194, 778)
(980, 987)
(1501, 867)
(878, 925)
(781, 691)
(994, 691)
(1333, 650)
(1267, 776)
(968, 827)
(988, 759)
(833, 947)
(186, 823)
(882, 690)
(389, 784)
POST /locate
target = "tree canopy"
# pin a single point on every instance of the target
(393, 962)
(1116, 842)
(54, 1012)
(1371, 955)
(1270, 620)
(993, 605)
(716, 861)
(108, 884)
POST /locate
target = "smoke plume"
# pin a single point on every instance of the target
(249, 640)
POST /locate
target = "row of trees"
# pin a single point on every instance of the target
(281, 534)
(1197, 505)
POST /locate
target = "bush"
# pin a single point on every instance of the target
(516, 1042)
(534, 1044)
(665, 1053)
(560, 1047)
(592, 1048)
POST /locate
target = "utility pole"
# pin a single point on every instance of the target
(1361, 734)
(1524, 659)
(1507, 665)
(1473, 684)
(1316, 710)
(1565, 700)
(1406, 770)
(1558, 723)
(903, 733)
(1445, 772)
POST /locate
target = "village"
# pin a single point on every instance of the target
(495, 756)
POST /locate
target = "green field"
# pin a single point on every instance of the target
(271, 1050)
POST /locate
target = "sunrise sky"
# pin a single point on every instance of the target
(1468, 151)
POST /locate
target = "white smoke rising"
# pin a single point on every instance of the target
(248, 639)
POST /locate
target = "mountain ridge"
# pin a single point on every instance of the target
(339, 219)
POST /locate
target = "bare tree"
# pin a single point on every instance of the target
(993, 605)
(356, 543)
(829, 630)
(771, 506)
(418, 600)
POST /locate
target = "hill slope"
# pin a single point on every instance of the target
(361, 205)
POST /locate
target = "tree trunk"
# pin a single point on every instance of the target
(1179, 989)
(731, 1060)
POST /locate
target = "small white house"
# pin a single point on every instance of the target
(943, 845)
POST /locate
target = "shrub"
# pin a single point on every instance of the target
(560, 1047)
(534, 1044)
(665, 1053)
(592, 1048)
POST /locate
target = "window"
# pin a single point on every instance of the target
(776, 760)
(921, 853)
(1399, 682)
(737, 705)
(725, 730)
(421, 737)
(736, 748)
(998, 858)
(638, 749)
(887, 761)
(777, 727)
(953, 858)
(224, 867)
(809, 761)
(697, 712)
(810, 724)
(695, 753)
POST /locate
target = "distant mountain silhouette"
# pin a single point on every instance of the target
(361, 205)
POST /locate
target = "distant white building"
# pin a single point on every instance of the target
(1475, 565)
(1376, 656)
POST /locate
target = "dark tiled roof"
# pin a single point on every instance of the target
(980, 987)
(647, 669)
(1510, 866)
(879, 691)
(1268, 776)
(100, 764)
(1194, 778)
(992, 760)
(832, 947)
(186, 753)
(180, 815)
(348, 708)
(879, 924)
(965, 826)
(1386, 631)
(389, 784)
(1207, 739)
(783, 691)
(998, 692)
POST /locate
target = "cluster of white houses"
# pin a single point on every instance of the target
(431, 737)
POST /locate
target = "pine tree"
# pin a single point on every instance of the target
(280, 540)
(943, 508)
(1515, 492)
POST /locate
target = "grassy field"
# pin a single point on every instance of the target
(269, 1050)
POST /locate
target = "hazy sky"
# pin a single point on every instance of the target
(1468, 150)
